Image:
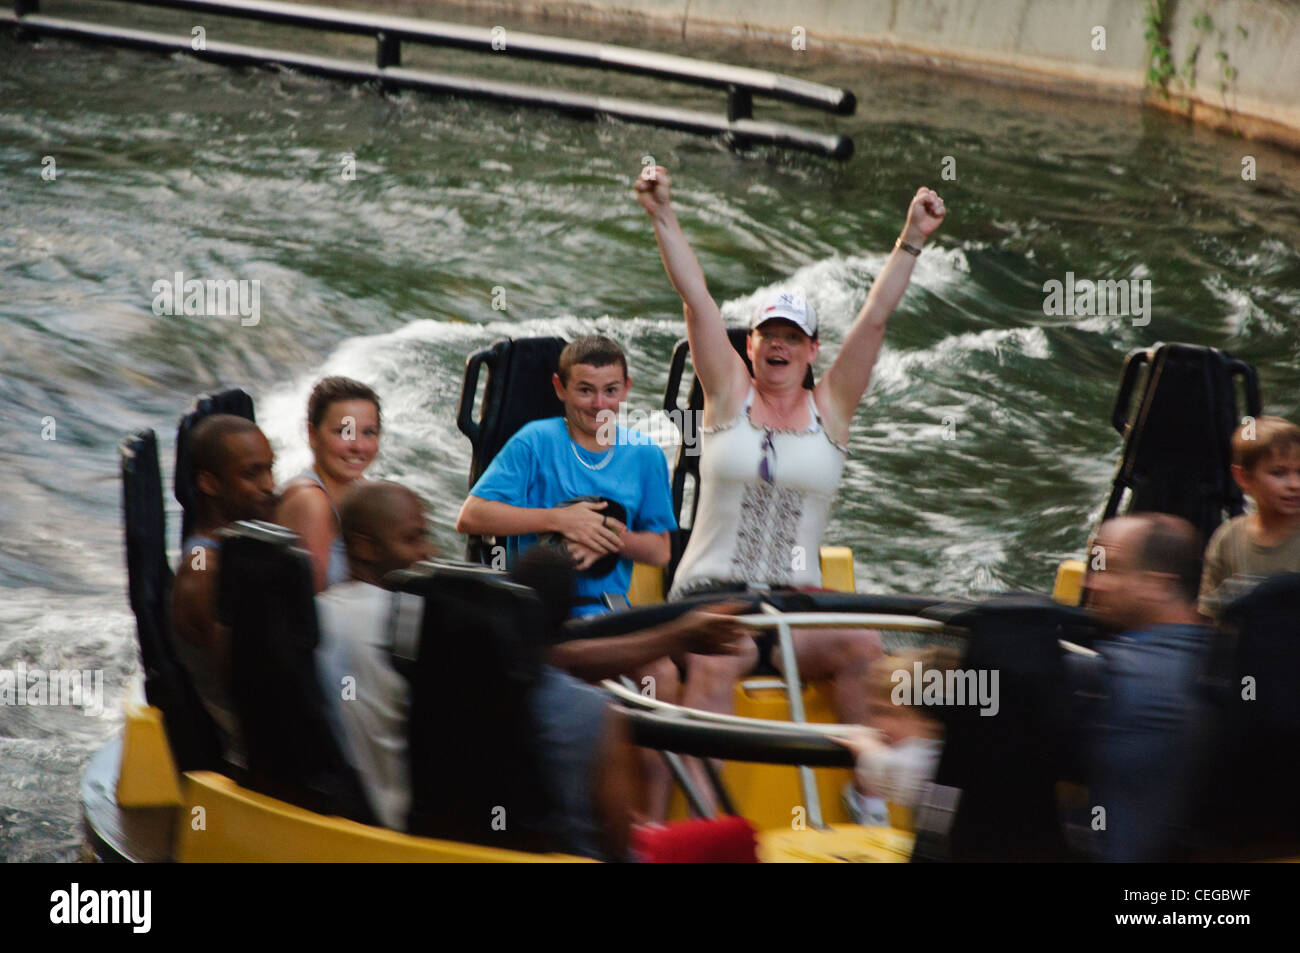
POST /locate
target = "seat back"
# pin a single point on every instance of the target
(518, 390)
(1006, 765)
(476, 772)
(190, 730)
(232, 401)
(1248, 801)
(265, 598)
(687, 467)
(1177, 444)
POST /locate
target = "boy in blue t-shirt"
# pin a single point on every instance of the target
(580, 454)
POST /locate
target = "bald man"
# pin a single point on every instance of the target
(1147, 728)
(361, 624)
(232, 473)
(586, 751)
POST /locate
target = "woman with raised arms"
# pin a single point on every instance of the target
(773, 446)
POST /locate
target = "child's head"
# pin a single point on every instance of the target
(549, 572)
(594, 350)
(591, 382)
(893, 710)
(1266, 464)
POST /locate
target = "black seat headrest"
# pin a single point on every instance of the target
(190, 730)
(687, 466)
(265, 597)
(1261, 630)
(232, 401)
(1006, 766)
(473, 740)
(1246, 805)
(1177, 444)
(518, 391)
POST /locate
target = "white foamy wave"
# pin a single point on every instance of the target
(1242, 315)
(837, 287)
(417, 371)
(897, 368)
(378, 360)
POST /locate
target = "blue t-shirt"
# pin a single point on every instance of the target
(539, 467)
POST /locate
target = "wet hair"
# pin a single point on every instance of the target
(1269, 437)
(1172, 545)
(331, 390)
(208, 440)
(593, 350)
(548, 572)
(369, 507)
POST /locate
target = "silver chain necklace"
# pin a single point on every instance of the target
(609, 455)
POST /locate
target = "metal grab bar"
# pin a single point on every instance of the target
(798, 726)
(634, 699)
(733, 743)
(742, 84)
(784, 622)
(774, 618)
(794, 694)
(529, 46)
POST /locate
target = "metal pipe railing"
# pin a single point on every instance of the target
(798, 726)
(736, 743)
(633, 699)
(529, 46)
(740, 83)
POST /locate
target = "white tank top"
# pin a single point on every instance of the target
(752, 531)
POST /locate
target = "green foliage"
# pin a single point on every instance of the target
(1160, 58)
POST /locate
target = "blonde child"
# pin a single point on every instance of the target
(1266, 465)
(899, 755)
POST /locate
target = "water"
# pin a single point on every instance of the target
(170, 165)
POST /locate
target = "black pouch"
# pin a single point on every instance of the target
(614, 510)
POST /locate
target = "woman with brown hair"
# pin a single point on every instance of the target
(343, 431)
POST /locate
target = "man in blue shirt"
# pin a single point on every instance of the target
(549, 462)
(1148, 727)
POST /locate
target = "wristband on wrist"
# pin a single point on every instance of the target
(910, 249)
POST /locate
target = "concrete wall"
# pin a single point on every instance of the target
(1042, 43)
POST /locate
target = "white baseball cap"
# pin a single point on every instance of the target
(789, 305)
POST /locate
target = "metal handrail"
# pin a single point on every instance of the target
(631, 698)
(798, 725)
(529, 46)
(812, 620)
(742, 84)
(733, 742)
